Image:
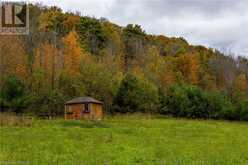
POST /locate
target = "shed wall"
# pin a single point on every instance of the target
(76, 111)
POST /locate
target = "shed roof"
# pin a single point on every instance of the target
(79, 100)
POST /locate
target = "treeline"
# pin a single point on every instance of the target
(68, 55)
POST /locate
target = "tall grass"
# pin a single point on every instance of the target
(8, 119)
(124, 140)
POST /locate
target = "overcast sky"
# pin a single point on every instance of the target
(221, 24)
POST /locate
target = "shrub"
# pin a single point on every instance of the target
(14, 95)
(136, 94)
(219, 106)
(48, 103)
(243, 110)
(70, 87)
(197, 103)
(193, 102)
(186, 101)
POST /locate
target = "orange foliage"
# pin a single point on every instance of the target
(71, 21)
(72, 53)
(188, 65)
(240, 88)
(194, 69)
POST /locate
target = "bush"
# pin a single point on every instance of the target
(48, 103)
(219, 106)
(136, 94)
(70, 87)
(14, 94)
(243, 110)
(193, 102)
(185, 101)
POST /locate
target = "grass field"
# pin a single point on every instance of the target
(125, 140)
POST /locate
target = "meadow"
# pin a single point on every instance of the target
(125, 140)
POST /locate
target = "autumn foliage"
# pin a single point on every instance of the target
(68, 55)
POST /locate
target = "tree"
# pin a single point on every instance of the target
(51, 20)
(153, 65)
(70, 87)
(136, 95)
(243, 110)
(220, 106)
(47, 60)
(224, 69)
(14, 94)
(158, 69)
(67, 55)
(193, 102)
(91, 34)
(194, 69)
(47, 103)
(188, 65)
(114, 45)
(71, 22)
(134, 40)
(101, 79)
(72, 54)
(241, 88)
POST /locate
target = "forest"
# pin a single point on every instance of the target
(68, 55)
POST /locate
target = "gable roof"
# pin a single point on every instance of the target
(79, 100)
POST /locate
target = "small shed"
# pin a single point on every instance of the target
(83, 108)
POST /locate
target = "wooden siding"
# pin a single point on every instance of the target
(73, 111)
(96, 111)
(77, 111)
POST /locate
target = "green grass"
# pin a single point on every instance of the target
(125, 140)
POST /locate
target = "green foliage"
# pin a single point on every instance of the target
(219, 106)
(92, 35)
(70, 87)
(185, 101)
(134, 30)
(193, 102)
(134, 39)
(170, 46)
(48, 103)
(14, 95)
(100, 80)
(52, 20)
(37, 80)
(49, 62)
(243, 110)
(136, 94)
(114, 44)
(1, 101)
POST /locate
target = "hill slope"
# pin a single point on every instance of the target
(68, 55)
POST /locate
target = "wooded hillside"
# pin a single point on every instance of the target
(68, 55)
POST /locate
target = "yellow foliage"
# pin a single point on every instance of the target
(188, 64)
(241, 83)
(72, 53)
(71, 21)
